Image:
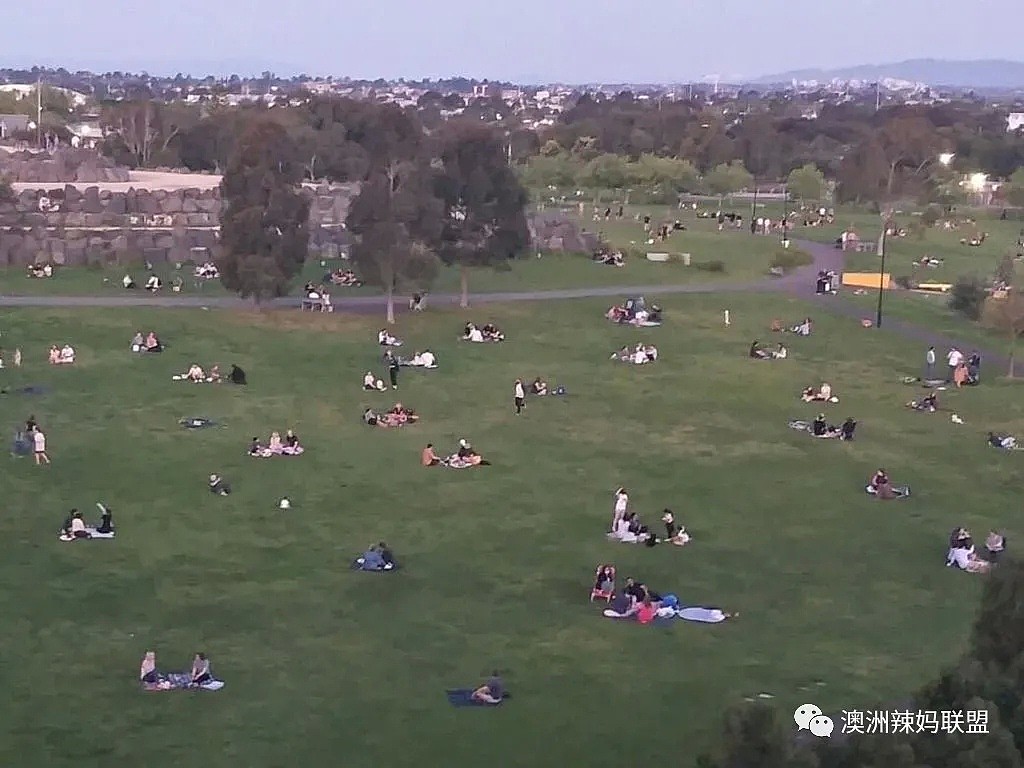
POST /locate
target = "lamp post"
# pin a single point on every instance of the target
(753, 213)
(785, 217)
(881, 273)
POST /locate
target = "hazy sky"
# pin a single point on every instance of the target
(520, 40)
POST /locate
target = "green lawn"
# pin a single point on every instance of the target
(744, 258)
(844, 601)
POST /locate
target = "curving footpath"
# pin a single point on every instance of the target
(800, 283)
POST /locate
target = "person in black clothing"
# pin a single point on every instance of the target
(237, 376)
(818, 427)
(847, 429)
(393, 366)
(106, 520)
(30, 423)
(974, 368)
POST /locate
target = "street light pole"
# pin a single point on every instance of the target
(881, 274)
(785, 216)
(753, 213)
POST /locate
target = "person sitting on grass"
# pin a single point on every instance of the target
(781, 353)
(472, 333)
(67, 354)
(377, 558)
(200, 671)
(148, 674)
(1006, 442)
(962, 554)
(424, 359)
(218, 486)
(152, 343)
(237, 376)
(492, 333)
(74, 527)
(214, 376)
(995, 545)
(195, 374)
(106, 519)
(821, 428)
(371, 419)
(428, 458)
(757, 353)
(398, 416)
(674, 533)
(847, 429)
(492, 692)
(928, 404)
(465, 457)
(371, 383)
(153, 284)
(539, 387)
(257, 449)
(822, 394)
(605, 579)
(882, 488)
(385, 339)
(128, 282)
(291, 445)
(804, 328)
(138, 342)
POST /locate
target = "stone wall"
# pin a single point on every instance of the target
(61, 166)
(76, 225)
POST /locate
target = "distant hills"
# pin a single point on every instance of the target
(985, 73)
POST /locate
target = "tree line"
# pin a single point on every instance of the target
(425, 201)
(872, 156)
(989, 678)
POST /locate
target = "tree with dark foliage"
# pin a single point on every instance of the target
(484, 203)
(264, 227)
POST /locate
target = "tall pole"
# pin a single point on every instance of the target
(753, 213)
(881, 274)
(785, 217)
(39, 112)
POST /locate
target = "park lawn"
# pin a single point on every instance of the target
(844, 601)
(743, 259)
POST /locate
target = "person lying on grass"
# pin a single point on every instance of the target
(1006, 442)
(757, 353)
(491, 692)
(424, 359)
(218, 486)
(928, 404)
(822, 394)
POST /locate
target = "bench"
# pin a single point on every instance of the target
(313, 305)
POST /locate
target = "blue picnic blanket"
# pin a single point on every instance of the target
(463, 697)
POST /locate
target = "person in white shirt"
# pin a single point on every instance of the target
(153, 284)
(39, 444)
(519, 396)
(639, 355)
(127, 281)
(476, 335)
(953, 360)
(424, 359)
(371, 382)
(621, 503)
(67, 354)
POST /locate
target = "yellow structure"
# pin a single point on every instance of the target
(867, 280)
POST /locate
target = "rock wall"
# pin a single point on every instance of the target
(61, 166)
(75, 225)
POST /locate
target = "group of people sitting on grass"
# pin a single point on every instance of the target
(927, 404)
(608, 258)
(148, 343)
(152, 680)
(630, 314)
(63, 355)
(345, 278)
(277, 446)
(153, 282)
(196, 375)
(396, 416)
(637, 600)
(489, 333)
(757, 352)
(385, 339)
(820, 428)
(641, 354)
(974, 240)
(424, 359)
(463, 458)
(963, 555)
(629, 529)
(927, 261)
(804, 328)
(882, 488)
(75, 527)
(822, 394)
(40, 270)
(1006, 442)
(318, 297)
(377, 557)
(206, 271)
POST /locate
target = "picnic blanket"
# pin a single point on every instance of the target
(181, 681)
(463, 697)
(702, 615)
(357, 565)
(198, 422)
(29, 390)
(93, 534)
(901, 491)
(800, 426)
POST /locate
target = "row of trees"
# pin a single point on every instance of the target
(425, 201)
(989, 677)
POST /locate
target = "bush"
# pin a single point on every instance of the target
(709, 266)
(788, 259)
(968, 295)
(931, 215)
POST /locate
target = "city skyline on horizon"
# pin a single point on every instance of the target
(661, 45)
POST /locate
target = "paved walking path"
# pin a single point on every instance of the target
(800, 282)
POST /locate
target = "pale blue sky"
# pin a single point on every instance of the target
(521, 40)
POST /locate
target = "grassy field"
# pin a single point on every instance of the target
(843, 601)
(743, 258)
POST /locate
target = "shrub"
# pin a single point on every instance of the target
(788, 259)
(710, 266)
(931, 215)
(967, 297)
